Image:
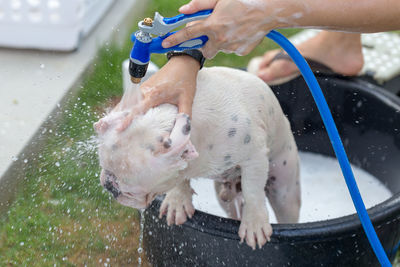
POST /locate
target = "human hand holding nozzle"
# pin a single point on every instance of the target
(233, 26)
(174, 83)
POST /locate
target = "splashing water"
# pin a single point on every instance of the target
(88, 146)
(140, 248)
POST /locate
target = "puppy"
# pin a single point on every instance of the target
(238, 135)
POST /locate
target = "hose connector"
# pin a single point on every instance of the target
(140, 54)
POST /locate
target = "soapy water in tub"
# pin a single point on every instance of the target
(323, 191)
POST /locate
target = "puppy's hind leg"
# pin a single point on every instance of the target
(255, 226)
(283, 186)
(230, 198)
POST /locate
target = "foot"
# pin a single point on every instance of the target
(255, 227)
(337, 50)
(177, 205)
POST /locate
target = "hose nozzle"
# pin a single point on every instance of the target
(137, 70)
(140, 54)
(135, 80)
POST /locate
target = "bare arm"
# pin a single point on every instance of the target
(240, 25)
(353, 16)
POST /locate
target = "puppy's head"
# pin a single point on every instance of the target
(146, 158)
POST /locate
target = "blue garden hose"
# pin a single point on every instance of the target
(336, 143)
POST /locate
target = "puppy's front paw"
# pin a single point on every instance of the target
(255, 227)
(177, 205)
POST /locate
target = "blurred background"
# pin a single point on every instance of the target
(60, 70)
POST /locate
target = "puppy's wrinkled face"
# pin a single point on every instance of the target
(145, 159)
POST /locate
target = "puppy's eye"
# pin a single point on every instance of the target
(110, 176)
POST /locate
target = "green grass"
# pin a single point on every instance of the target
(62, 215)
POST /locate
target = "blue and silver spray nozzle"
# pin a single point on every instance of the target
(144, 44)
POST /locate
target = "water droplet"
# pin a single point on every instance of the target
(140, 249)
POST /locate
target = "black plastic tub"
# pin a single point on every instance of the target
(368, 119)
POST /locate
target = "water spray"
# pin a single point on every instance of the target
(144, 45)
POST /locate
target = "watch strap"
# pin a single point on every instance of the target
(194, 53)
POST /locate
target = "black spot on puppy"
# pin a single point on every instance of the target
(235, 118)
(167, 143)
(247, 139)
(186, 127)
(232, 132)
(229, 163)
(284, 162)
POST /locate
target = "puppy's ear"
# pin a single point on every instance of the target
(190, 152)
(101, 126)
(179, 144)
(109, 121)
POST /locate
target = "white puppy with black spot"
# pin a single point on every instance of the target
(238, 130)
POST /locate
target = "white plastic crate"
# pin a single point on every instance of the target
(48, 24)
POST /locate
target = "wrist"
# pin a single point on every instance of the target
(184, 65)
(185, 59)
(193, 53)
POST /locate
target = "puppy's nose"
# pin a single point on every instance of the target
(111, 188)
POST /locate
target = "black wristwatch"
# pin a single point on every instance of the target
(194, 53)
